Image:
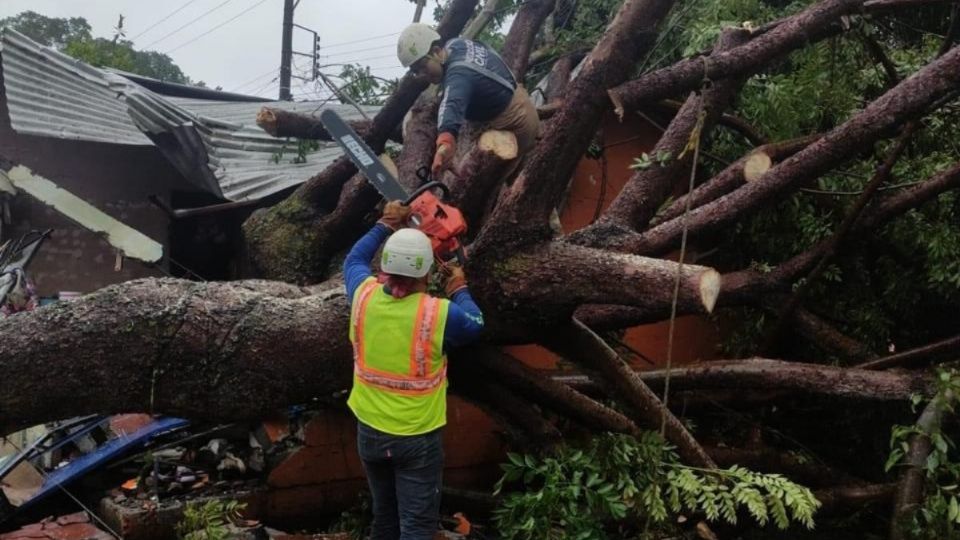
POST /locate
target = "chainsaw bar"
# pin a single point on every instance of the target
(366, 160)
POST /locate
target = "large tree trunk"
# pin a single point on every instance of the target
(289, 241)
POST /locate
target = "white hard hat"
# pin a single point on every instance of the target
(415, 42)
(407, 252)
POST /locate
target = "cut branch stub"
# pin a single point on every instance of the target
(756, 165)
(559, 277)
(480, 171)
(282, 123)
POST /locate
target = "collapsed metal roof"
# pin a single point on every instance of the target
(214, 144)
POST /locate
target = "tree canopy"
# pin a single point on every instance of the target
(73, 36)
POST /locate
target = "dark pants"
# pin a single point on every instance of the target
(405, 476)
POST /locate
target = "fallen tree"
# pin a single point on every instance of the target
(237, 350)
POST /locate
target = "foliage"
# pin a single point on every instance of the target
(304, 147)
(620, 487)
(363, 87)
(355, 521)
(939, 515)
(48, 31)
(73, 37)
(209, 520)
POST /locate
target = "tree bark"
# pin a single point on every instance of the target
(526, 25)
(482, 19)
(910, 488)
(629, 388)
(881, 176)
(853, 497)
(798, 376)
(206, 351)
(910, 358)
(560, 277)
(750, 132)
(817, 331)
(905, 101)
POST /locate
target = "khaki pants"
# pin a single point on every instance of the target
(520, 118)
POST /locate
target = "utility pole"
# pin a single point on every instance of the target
(286, 50)
(419, 12)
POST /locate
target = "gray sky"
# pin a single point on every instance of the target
(244, 54)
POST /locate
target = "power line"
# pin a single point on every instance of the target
(218, 6)
(359, 40)
(269, 84)
(255, 79)
(390, 45)
(224, 23)
(154, 25)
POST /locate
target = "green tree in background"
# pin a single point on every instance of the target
(73, 36)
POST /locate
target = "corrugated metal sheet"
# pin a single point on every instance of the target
(215, 144)
(53, 95)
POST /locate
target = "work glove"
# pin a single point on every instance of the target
(456, 280)
(395, 215)
(446, 148)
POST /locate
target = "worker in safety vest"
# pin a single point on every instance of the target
(477, 86)
(400, 335)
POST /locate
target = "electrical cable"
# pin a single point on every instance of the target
(218, 6)
(221, 25)
(154, 25)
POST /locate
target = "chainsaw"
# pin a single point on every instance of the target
(442, 223)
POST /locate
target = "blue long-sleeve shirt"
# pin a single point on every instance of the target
(469, 93)
(464, 319)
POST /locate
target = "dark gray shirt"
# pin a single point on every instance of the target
(477, 85)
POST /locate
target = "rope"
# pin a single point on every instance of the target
(692, 144)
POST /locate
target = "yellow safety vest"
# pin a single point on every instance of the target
(399, 369)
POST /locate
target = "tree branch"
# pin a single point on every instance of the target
(519, 41)
(908, 359)
(909, 495)
(554, 395)
(631, 390)
(646, 190)
(747, 285)
(817, 22)
(905, 101)
(781, 375)
(839, 236)
(733, 176)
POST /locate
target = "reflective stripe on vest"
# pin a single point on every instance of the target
(418, 380)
